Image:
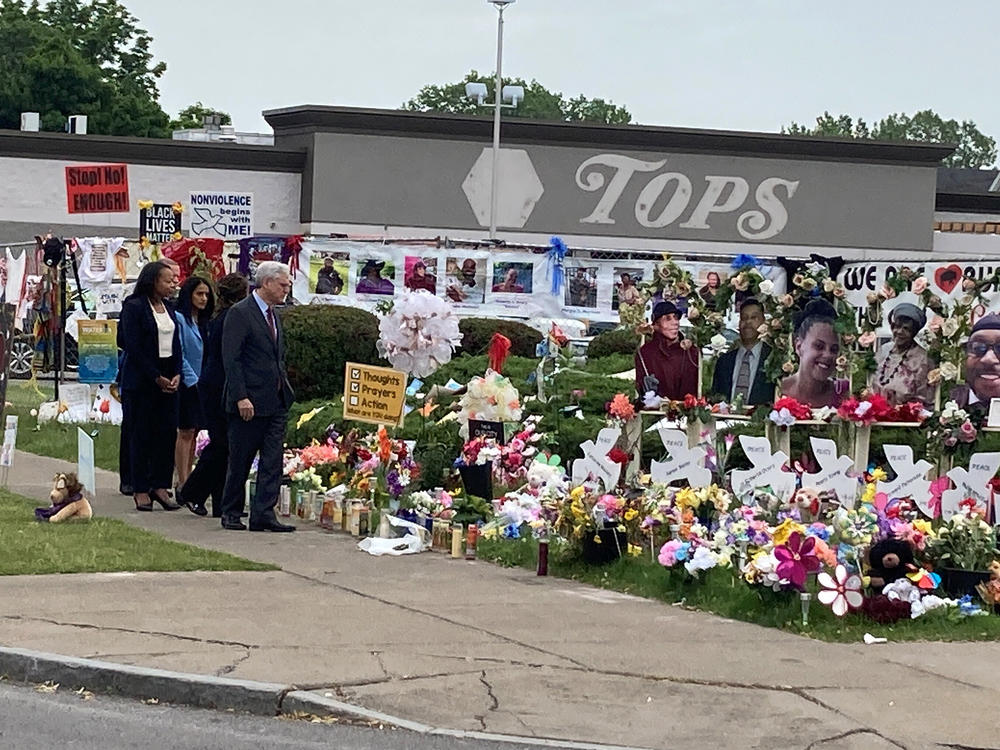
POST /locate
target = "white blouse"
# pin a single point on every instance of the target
(164, 332)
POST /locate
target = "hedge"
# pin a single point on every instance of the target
(617, 341)
(320, 340)
(477, 332)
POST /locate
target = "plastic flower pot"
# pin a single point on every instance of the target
(613, 544)
(478, 480)
(957, 582)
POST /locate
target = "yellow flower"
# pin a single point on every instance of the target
(577, 493)
(630, 514)
(686, 498)
(869, 493)
(785, 530)
(634, 550)
(307, 416)
(879, 475)
(145, 205)
(178, 207)
(923, 526)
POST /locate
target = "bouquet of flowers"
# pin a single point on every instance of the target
(619, 410)
(951, 430)
(383, 467)
(788, 410)
(491, 398)
(966, 541)
(419, 334)
(517, 454)
(871, 408)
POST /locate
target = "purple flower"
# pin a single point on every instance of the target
(796, 558)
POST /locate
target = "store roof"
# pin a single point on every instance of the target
(309, 118)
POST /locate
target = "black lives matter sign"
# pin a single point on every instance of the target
(159, 222)
(97, 189)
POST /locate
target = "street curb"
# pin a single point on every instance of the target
(23, 665)
(203, 691)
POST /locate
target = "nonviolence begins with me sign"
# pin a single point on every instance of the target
(97, 189)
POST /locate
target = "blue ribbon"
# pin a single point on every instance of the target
(556, 254)
(743, 260)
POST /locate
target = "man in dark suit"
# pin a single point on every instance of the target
(740, 372)
(257, 397)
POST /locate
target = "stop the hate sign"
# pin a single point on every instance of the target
(97, 189)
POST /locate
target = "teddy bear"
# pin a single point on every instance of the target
(990, 590)
(67, 501)
(889, 560)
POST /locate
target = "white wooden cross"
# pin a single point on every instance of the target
(682, 463)
(911, 478)
(834, 473)
(974, 483)
(766, 471)
(595, 462)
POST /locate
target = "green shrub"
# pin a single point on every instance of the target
(617, 341)
(320, 340)
(477, 332)
(464, 367)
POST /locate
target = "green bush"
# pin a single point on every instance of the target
(618, 341)
(477, 332)
(320, 340)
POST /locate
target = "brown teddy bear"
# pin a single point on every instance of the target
(67, 501)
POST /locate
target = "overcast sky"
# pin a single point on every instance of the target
(727, 64)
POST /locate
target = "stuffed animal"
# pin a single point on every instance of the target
(990, 590)
(67, 501)
(889, 560)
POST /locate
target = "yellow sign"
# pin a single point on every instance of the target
(374, 394)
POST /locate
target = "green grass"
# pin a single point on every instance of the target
(718, 592)
(101, 545)
(54, 439)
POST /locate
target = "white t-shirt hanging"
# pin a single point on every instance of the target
(14, 283)
(97, 265)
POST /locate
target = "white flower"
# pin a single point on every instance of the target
(719, 343)
(782, 418)
(767, 287)
(703, 559)
(950, 327)
(948, 371)
(840, 593)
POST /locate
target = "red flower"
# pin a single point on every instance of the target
(795, 408)
(690, 401)
(619, 456)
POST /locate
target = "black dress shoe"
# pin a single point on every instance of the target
(271, 524)
(197, 508)
(233, 524)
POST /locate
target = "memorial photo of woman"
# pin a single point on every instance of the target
(817, 346)
(902, 364)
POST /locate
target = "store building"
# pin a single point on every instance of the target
(403, 174)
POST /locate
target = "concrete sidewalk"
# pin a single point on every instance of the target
(472, 646)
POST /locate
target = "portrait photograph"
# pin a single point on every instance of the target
(513, 277)
(375, 276)
(420, 274)
(580, 285)
(328, 273)
(465, 280)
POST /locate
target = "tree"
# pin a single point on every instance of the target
(539, 103)
(79, 57)
(194, 115)
(975, 150)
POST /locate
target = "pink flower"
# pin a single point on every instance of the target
(841, 592)
(966, 433)
(919, 284)
(867, 338)
(796, 558)
(668, 553)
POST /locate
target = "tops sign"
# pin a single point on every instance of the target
(97, 189)
(225, 216)
(666, 196)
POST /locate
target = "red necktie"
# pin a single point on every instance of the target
(271, 325)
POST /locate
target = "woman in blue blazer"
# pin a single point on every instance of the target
(195, 304)
(150, 379)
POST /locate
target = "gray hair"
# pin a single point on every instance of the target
(270, 269)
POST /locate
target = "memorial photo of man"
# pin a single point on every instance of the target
(740, 372)
(982, 364)
(328, 281)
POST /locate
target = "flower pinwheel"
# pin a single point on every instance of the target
(796, 558)
(841, 592)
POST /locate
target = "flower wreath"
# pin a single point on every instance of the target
(812, 281)
(946, 331)
(671, 282)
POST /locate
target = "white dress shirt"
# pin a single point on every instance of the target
(754, 354)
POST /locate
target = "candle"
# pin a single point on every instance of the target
(456, 540)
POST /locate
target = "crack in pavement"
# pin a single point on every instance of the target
(112, 628)
(489, 691)
(859, 730)
(435, 616)
(850, 733)
(230, 668)
(381, 664)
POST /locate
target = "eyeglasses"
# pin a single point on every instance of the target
(978, 349)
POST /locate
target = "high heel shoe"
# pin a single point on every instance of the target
(147, 506)
(163, 499)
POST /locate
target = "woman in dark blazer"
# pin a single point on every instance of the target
(150, 379)
(209, 475)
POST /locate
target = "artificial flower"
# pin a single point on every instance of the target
(841, 592)
(796, 558)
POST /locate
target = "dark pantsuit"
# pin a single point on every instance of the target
(246, 438)
(209, 475)
(152, 434)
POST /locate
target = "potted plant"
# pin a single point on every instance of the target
(963, 550)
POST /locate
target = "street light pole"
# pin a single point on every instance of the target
(496, 122)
